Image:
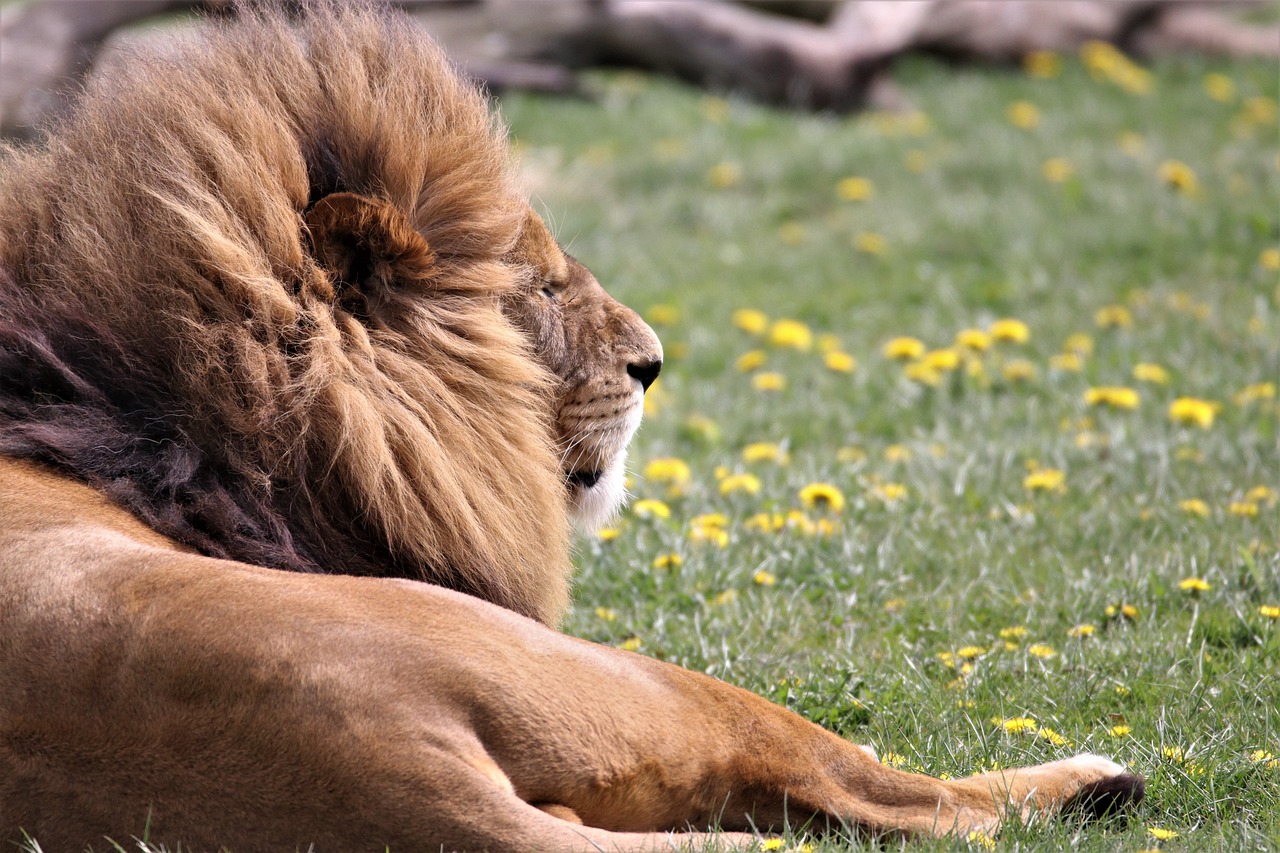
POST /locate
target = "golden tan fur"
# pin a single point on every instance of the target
(272, 313)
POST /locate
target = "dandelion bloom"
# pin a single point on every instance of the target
(977, 838)
(973, 339)
(1161, 834)
(1023, 114)
(1082, 631)
(1269, 259)
(1056, 170)
(751, 360)
(1220, 87)
(903, 349)
(1115, 397)
(1153, 373)
(1010, 331)
(1261, 494)
(649, 508)
(768, 381)
(764, 451)
(1053, 737)
(1119, 731)
(970, 652)
(766, 522)
(1041, 650)
(1179, 176)
(662, 315)
(724, 175)
(889, 492)
(1113, 317)
(822, 496)
(1042, 63)
(1128, 611)
(1245, 509)
(1270, 611)
(941, 359)
(750, 320)
(1018, 725)
(840, 362)
(1266, 759)
(870, 243)
(1045, 480)
(1018, 370)
(667, 470)
(1194, 506)
(1193, 410)
(897, 453)
(714, 534)
(1255, 392)
(630, 644)
(851, 454)
(608, 614)
(748, 483)
(1015, 632)
(791, 333)
(668, 561)
(763, 578)
(608, 534)
(1067, 361)
(855, 189)
(1194, 585)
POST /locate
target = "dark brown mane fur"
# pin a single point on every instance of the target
(168, 336)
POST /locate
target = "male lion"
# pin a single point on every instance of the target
(287, 366)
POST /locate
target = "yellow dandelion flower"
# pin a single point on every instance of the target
(765, 451)
(1014, 632)
(747, 483)
(1161, 834)
(608, 534)
(1179, 176)
(1115, 397)
(1269, 259)
(649, 508)
(768, 381)
(1120, 731)
(941, 359)
(1194, 506)
(726, 597)
(970, 652)
(630, 644)
(662, 315)
(1271, 611)
(870, 243)
(722, 176)
(750, 320)
(897, 453)
(980, 839)
(1245, 509)
(840, 362)
(751, 360)
(1194, 585)
(1045, 733)
(855, 189)
(710, 519)
(1017, 725)
(1010, 331)
(1259, 110)
(717, 536)
(822, 496)
(1220, 87)
(903, 349)
(1082, 631)
(607, 614)
(1153, 373)
(973, 339)
(893, 759)
(1253, 393)
(1023, 115)
(667, 470)
(1192, 410)
(766, 522)
(1044, 64)
(889, 492)
(1261, 494)
(1113, 317)
(1018, 370)
(791, 334)
(1041, 650)
(1045, 480)
(851, 454)
(763, 578)
(668, 561)
(1067, 362)
(1265, 758)
(801, 523)
(1056, 170)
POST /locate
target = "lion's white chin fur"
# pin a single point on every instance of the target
(593, 506)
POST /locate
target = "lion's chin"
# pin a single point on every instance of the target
(594, 500)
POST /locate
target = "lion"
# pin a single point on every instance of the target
(298, 402)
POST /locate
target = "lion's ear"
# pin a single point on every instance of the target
(366, 244)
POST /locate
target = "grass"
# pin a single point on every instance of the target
(894, 626)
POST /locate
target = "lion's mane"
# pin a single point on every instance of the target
(165, 334)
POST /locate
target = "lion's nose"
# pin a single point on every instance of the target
(645, 371)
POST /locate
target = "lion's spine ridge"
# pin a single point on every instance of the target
(160, 337)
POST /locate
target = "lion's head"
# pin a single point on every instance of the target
(280, 296)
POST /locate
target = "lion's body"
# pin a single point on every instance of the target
(273, 317)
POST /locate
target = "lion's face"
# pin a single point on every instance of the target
(605, 357)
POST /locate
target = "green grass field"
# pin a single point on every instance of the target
(1034, 529)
